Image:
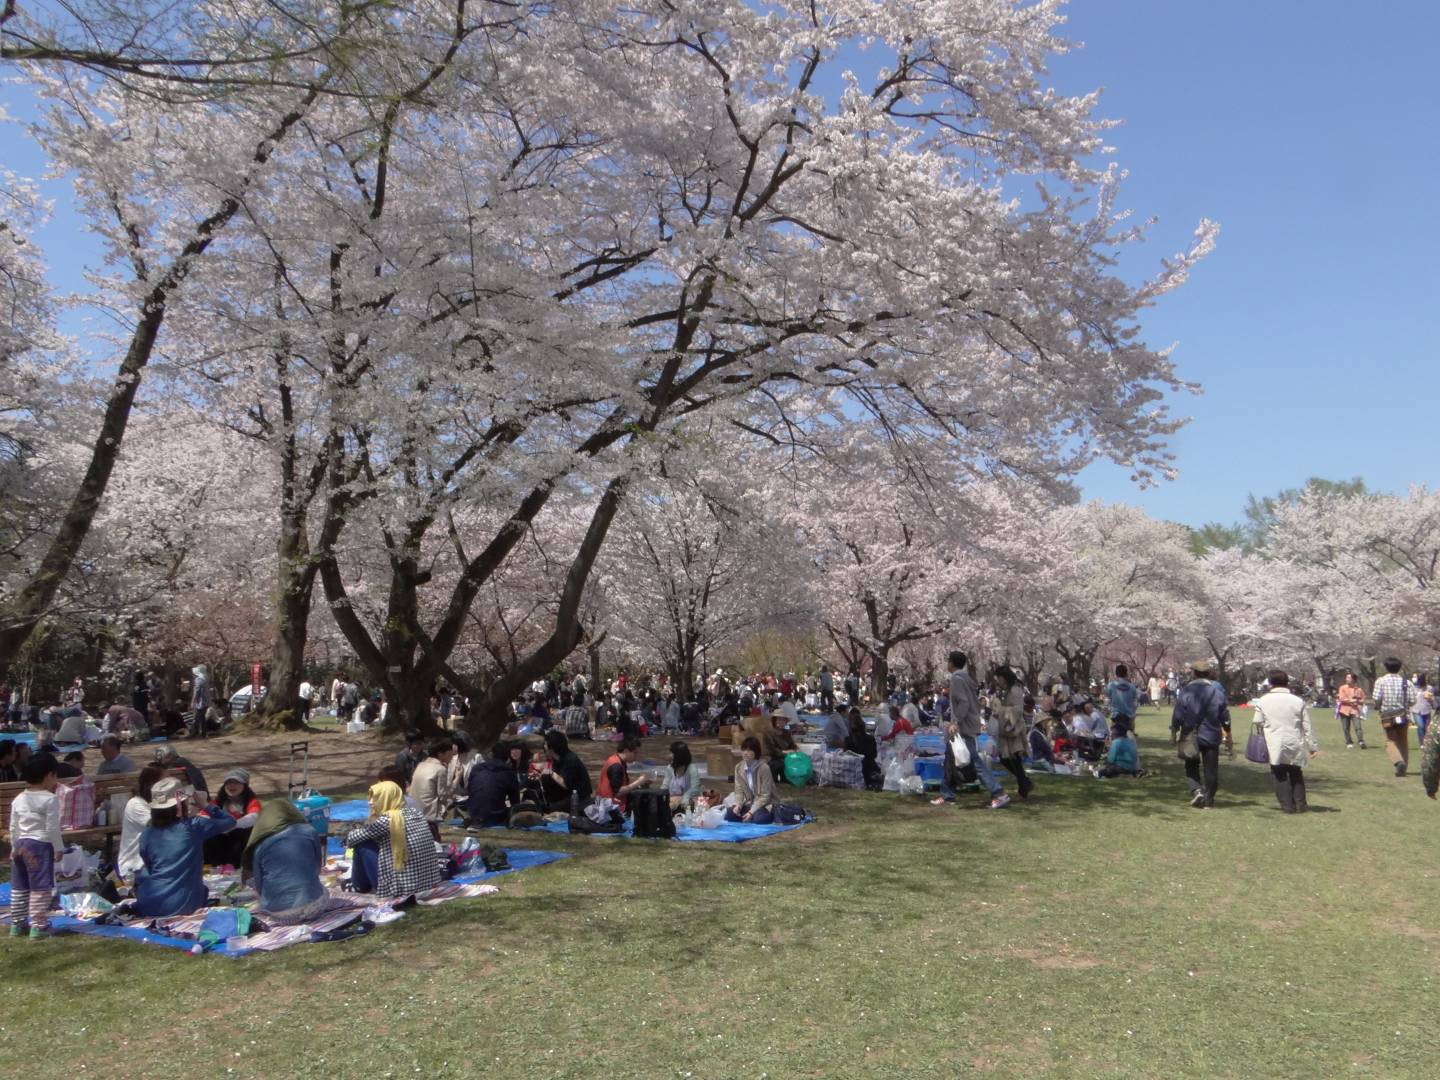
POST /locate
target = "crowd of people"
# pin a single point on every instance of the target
(173, 826)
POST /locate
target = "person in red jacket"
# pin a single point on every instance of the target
(615, 775)
(898, 725)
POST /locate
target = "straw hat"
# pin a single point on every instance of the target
(166, 793)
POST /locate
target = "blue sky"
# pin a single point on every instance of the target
(1306, 128)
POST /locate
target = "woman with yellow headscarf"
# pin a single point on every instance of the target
(394, 853)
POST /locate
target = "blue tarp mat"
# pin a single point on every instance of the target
(731, 832)
(728, 833)
(520, 859)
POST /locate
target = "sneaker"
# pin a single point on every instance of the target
(19, 930)
(1000, 802)
(941, 801)
(1198, 800)
(1363, 746)
(38, 932)
(1349, 746)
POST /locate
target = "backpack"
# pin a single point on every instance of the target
(651, 815)
(791, 814)
(579, 823)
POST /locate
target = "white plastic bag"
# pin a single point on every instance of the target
(912, 785)
(961, 749)
(710, 819)
(729, 800)
(894, 775)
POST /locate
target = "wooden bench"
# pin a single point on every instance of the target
(106, 787)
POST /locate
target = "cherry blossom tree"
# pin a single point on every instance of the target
(574, 232)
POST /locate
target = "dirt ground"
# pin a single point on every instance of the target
(345, 765)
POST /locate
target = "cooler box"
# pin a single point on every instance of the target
(316, 810)
(930, 745)
(931, 770)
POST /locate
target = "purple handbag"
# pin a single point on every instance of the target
(1256, 749)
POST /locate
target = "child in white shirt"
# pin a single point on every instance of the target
(35, 836)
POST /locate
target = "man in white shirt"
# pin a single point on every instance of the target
(305, 691)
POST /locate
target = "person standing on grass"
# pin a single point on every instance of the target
(1349, 700)
(1289, 738)
(1201, 710)
(1423, 707)
(965, 722)
(1394, 698)
(1123, 698)
(1010, 728)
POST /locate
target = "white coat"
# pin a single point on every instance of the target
(1288, 733)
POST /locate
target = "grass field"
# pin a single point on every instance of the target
(1104, 929)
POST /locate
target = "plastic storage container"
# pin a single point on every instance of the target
(316, 810)
(931, 770)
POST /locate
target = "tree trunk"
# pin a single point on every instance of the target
(593, 649)
(879, 673)
(292, 619)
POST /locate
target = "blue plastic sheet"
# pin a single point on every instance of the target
(520, 859)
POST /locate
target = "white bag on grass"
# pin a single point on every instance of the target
(912, 785)
(894, 775)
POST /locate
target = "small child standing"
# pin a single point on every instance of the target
(35, 834)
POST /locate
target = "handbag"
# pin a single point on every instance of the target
(1189, 747)
(1256, 749)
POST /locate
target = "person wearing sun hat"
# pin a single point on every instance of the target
(171, 879)
(1201, 711)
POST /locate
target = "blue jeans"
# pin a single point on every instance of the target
(982, 770)
(365, 869)
(1422, 721)
(762, 817)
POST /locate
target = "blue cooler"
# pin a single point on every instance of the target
(316, 810)
(931, 770)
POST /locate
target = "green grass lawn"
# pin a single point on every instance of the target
(1104, 929)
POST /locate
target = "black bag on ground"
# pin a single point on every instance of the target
(791, 814)
(579, 823)
(651, 815)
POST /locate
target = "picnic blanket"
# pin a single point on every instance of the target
(459, 888)
(730, 832)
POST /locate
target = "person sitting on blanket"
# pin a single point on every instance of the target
(899, 725)
(237, 800)
(565, 774)
(430, 785)
(837, 729)
(681, 778)
(169, 758)
(135, 820)
(395, 775)
(393, 854)
(1122, 758)
(284, 856)
(171, 878)
(754, 787)
(412, 755)
(615, 775)
(862, 742)
(1089, 743)
(494, 789)
(1042, 756)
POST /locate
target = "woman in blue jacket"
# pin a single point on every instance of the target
(171, 880)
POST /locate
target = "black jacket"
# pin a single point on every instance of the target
(493, 789)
